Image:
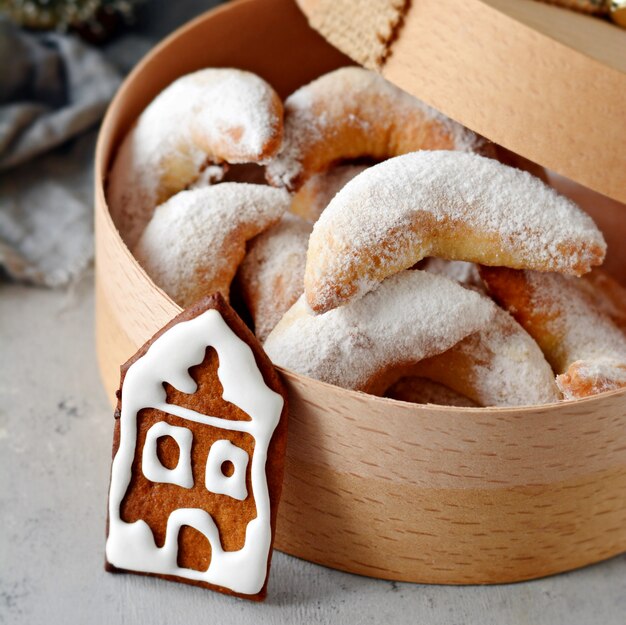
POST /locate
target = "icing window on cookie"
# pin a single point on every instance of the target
(152, 466)
(217, 478)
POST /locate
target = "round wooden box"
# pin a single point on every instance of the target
(374, 486)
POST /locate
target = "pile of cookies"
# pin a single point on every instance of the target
(391, 251)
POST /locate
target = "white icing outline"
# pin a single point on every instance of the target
(131, 545)
(152, 467)
(215, 481)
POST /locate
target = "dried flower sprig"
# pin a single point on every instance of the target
(65, 14)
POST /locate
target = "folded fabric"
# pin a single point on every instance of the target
(54, 88)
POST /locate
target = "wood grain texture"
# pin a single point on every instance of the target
(442, 496)
(546, 83)
(373, 486)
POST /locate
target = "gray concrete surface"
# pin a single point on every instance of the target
(55, 439)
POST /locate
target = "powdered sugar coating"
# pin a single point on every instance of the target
(212, 174)
(582, 330)
(586, 378)
(450, 204)
(505, 366)
(354, 112)
(271, 275)
(196, 240)
(459, 270)
(212, 115)
(315, 195)
(500, 365)
(608, 295)
(562, 315)
(410, 316)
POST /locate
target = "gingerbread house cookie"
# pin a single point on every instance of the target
(198, 455)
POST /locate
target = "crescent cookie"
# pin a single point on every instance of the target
(409, 317)
(352, 113)
(453, 205)
(500, 365)
(314, 196)
(196, 240)
(608, 294)
(585, 378)
(272, 273)
(584, 346)
(210, 116)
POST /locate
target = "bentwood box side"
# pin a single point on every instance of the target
(374, 486)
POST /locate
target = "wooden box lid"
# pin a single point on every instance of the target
(547, 83)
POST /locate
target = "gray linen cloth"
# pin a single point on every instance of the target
(54, 89)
